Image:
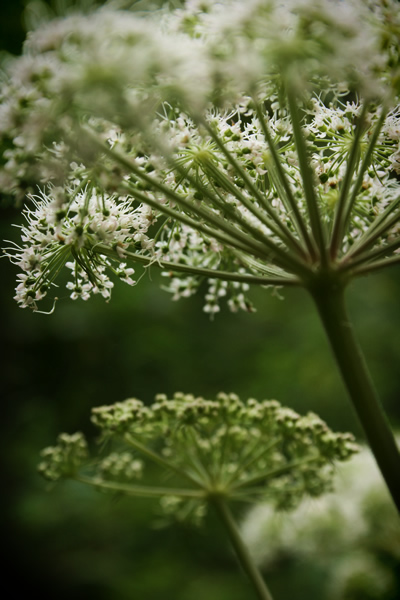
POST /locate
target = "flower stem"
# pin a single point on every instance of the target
(307, 177)
(342, 214)
(265, 208)
(129, 439)
(140, 491)
(330, 302)
(376, 265)
(241, 549)
(173, 267)
(283, 183)
(360, 177)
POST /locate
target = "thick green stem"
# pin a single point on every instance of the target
(241, 549)
(329, 298)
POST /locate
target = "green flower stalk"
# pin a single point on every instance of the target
(236, 145)
(210, 453)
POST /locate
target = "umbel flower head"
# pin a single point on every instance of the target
(238, 450)
(237, 143)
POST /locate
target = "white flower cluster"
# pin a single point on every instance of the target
(119, 66)
(297, 41)
(109, 63)
(112, 113)
(64, 231)
(90, 228)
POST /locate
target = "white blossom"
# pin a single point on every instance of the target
(147, 138)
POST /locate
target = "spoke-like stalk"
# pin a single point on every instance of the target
(235, 215)
(329, 299)
(219, 202)
(246, 463)
(376, 266)
(307, 177)
(230, 187)
(258, 267)
(191, 270)
(272, 253)
(210, 223)
(206, 215)
(241, 549)
(140, 490)
(220, 229)
(383, 223)
(353, 160)
(298, 220)
(197, 456)
(357, 186)
(269, 473)
(367, 257)
(268, 216)
(160, 460)
(252, 188)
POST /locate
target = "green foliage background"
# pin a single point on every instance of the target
(74, 542)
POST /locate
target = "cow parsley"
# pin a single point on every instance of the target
(228, 143)
(208, 448)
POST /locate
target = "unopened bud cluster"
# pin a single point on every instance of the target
(121, 466)
(64, 459)
(244, 450)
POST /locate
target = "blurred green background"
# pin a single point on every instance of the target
(74, 542)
